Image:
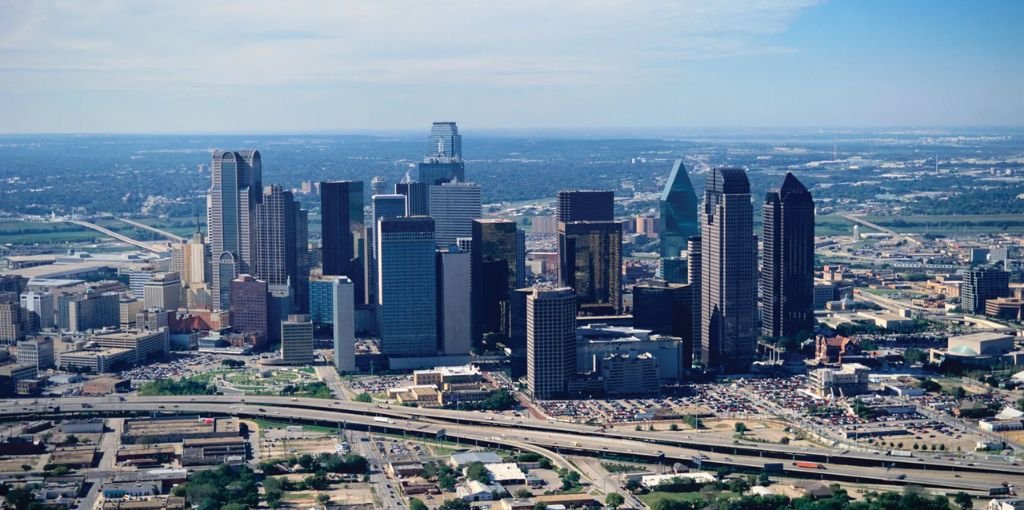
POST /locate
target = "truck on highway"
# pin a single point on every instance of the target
(382, 419)
(901, 453)
(808, 465)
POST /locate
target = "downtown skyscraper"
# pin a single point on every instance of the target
(496, 262)
(729, 267)
(443, 161)
(550, 341)
(235, 190)
(590, 250)
(343, 233)
(407, 286)
(787, 269)
(454, 206)
(281, 243)
(678, 204)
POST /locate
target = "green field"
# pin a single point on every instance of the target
(951, 224)
(33, 232)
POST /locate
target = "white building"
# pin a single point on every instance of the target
(343, 303)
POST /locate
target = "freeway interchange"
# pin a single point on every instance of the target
(552, 439)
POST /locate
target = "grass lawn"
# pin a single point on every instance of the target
(654, 497)
(952, 223)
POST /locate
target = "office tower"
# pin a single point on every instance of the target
(416, 201)
(585, 205)
(443, 161)
(454, 324)
(454, 206)
(13, 283)
(93, 310)
(321, 297)
(381, 206)
(407, 286)
(303, 260)
(281, 241)
(550, 341)
(191, 260)
(694, 273)
(982, 284)
(36, 351)
(297, 340)
(673, 269)
(590, 262)
(787, 268)
(39, 306)
(235, 189)
(667, 309)
(728, 272)
(137, 278)
(249, 305)
(344, 320)
(343, 232)
(464, 243)
(163, 291)
(678, 205)
(495, 259)
(151, 319)
(520, 266)
(378, 185)
(280, 304)
(13, 319)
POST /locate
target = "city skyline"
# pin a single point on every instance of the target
(360, 68)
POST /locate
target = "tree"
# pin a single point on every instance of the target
(959, 392)
(740, 427)
(569, 479)
(930, 386)
(540, 505)
(614, 500)
(416, 504)
(673, 427)
(71, 440)
(364, 397)
(477, 471)
(963, 500)
(523, 493)
(454, 504)
(323, 499)
(913, 356)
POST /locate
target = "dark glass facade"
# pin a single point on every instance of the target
(342, 232)
(787, 271)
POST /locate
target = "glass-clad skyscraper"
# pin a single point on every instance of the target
(342, 232)
(678, 212)
(787, 268)
(407, 290)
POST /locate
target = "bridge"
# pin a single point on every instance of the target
(153, 247)
(528, 434)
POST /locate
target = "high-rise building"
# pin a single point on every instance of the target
(163, 291)
(678, 205)
(454, 325)
(666, 309)
(280, 241)
(321, 297)
(728, 267)
(416, 200)
(280, 304)
(590, 262)
(94, 310)
(443, 161)
(787, 268)
(694, 274)
(344, 320)
(378, 185)
(550, 341)
(39, 306)
(36, 351)
(249, 305)
(454, 206)
(297, 340)
(343, 231)
(236, 186)
(585, 205)
(13, 319)
(381, 206)
(495, 261)
(982, 284)
(407, 286)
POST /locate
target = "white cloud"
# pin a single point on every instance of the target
(109, 44)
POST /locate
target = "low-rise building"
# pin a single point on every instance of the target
(175, 429)
(105, 386)
(851, 379)
(213, 450)
(460, 460)
(473, 490)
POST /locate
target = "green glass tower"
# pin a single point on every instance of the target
(678, 212)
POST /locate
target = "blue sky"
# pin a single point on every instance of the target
(124, 66)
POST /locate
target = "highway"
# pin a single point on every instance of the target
(153, 247)
(866, 223)
(143, 226)
(550, 439)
